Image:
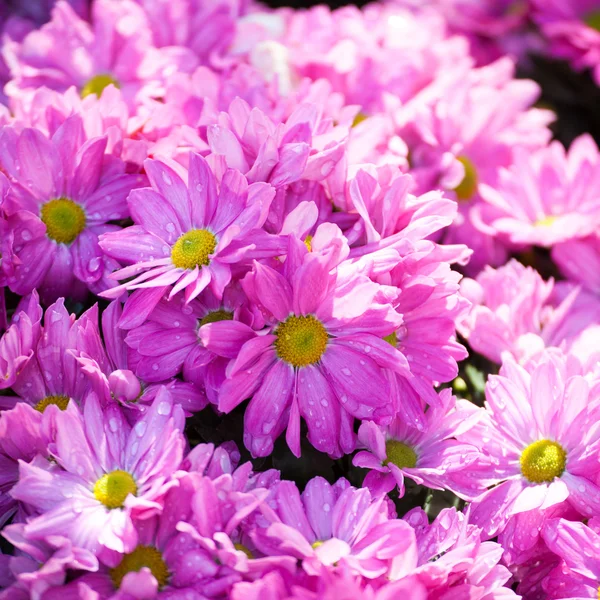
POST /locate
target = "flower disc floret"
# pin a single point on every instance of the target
(301, 341)
(112, 488)
(466, 189)
(64, 220)
(215, 316)
(399, 454)
(593, 20)
(142, 556)
(542, 461)
(391, 339)
(193, 249)
(59, 400)
(97, 84)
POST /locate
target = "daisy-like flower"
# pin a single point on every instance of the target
(577, 545)
(546, 197)
(86, 56)
(430, 455)
(332, 525)
(171, 340)
(540, 443)
(185, 234)
(63, 192)
(110, 474)
(321, 356)
(110, 369)
(573, 29)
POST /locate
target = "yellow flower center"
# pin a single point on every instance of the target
(193, 249)
(64, 220)
(359, 118)
(316, 544)
(593, 20)
(391, 339)
(60, 401)
(546, 221)
(542, 461)
(243, 549)
(112, 488)
(399, 454)
(142, 556)
(466, 189)
(301, 341)
(308, 242)
(215, 316)
(97, 84)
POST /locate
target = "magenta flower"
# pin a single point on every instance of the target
(186, 235)
(539, 441)
(111, 474)
(171, 340)
(573, 29)
(332, 524)
(63, 193)
(430, 455)
(111, 372)
(124, 58)
(577, 545)
(546, 197)
(321, 357)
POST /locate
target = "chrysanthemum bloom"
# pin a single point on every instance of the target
(112, 375)
(51, 374)
(453, 560)
(539, 441)
(171, 341)
(573, 29)
(322, 356)
(41, 566)
(19, 341)
(23, 436)
(63, 193)
(579, 260)
(430, 455)
(546, 197)
(332, 524)
(111, 474)
(116, 49)
(186, 234)
(577, 545)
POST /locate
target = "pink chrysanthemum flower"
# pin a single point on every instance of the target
(171, 340)
(186, 234)
(577, 545)
(539, 442)
(322, 356)
(546, 197)
(48, 374)
(573, 29)
(332, 524)
(63, 192)
(112, 375)
(430, 455)
(110, 475)
(87, 55)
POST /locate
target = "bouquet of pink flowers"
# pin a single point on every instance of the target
(299, 303)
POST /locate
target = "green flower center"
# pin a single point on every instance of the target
(301, 341)
(593, 20)
(64, 220)
(359, 118)
(112, 488)
(60, 401)
(542, 461)
(215, 316)
(142, 556)
(193, 249)
(399, 454)
(97, 84)
(243, 549)
(467, 188)
(308, 242)
(391, 339)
